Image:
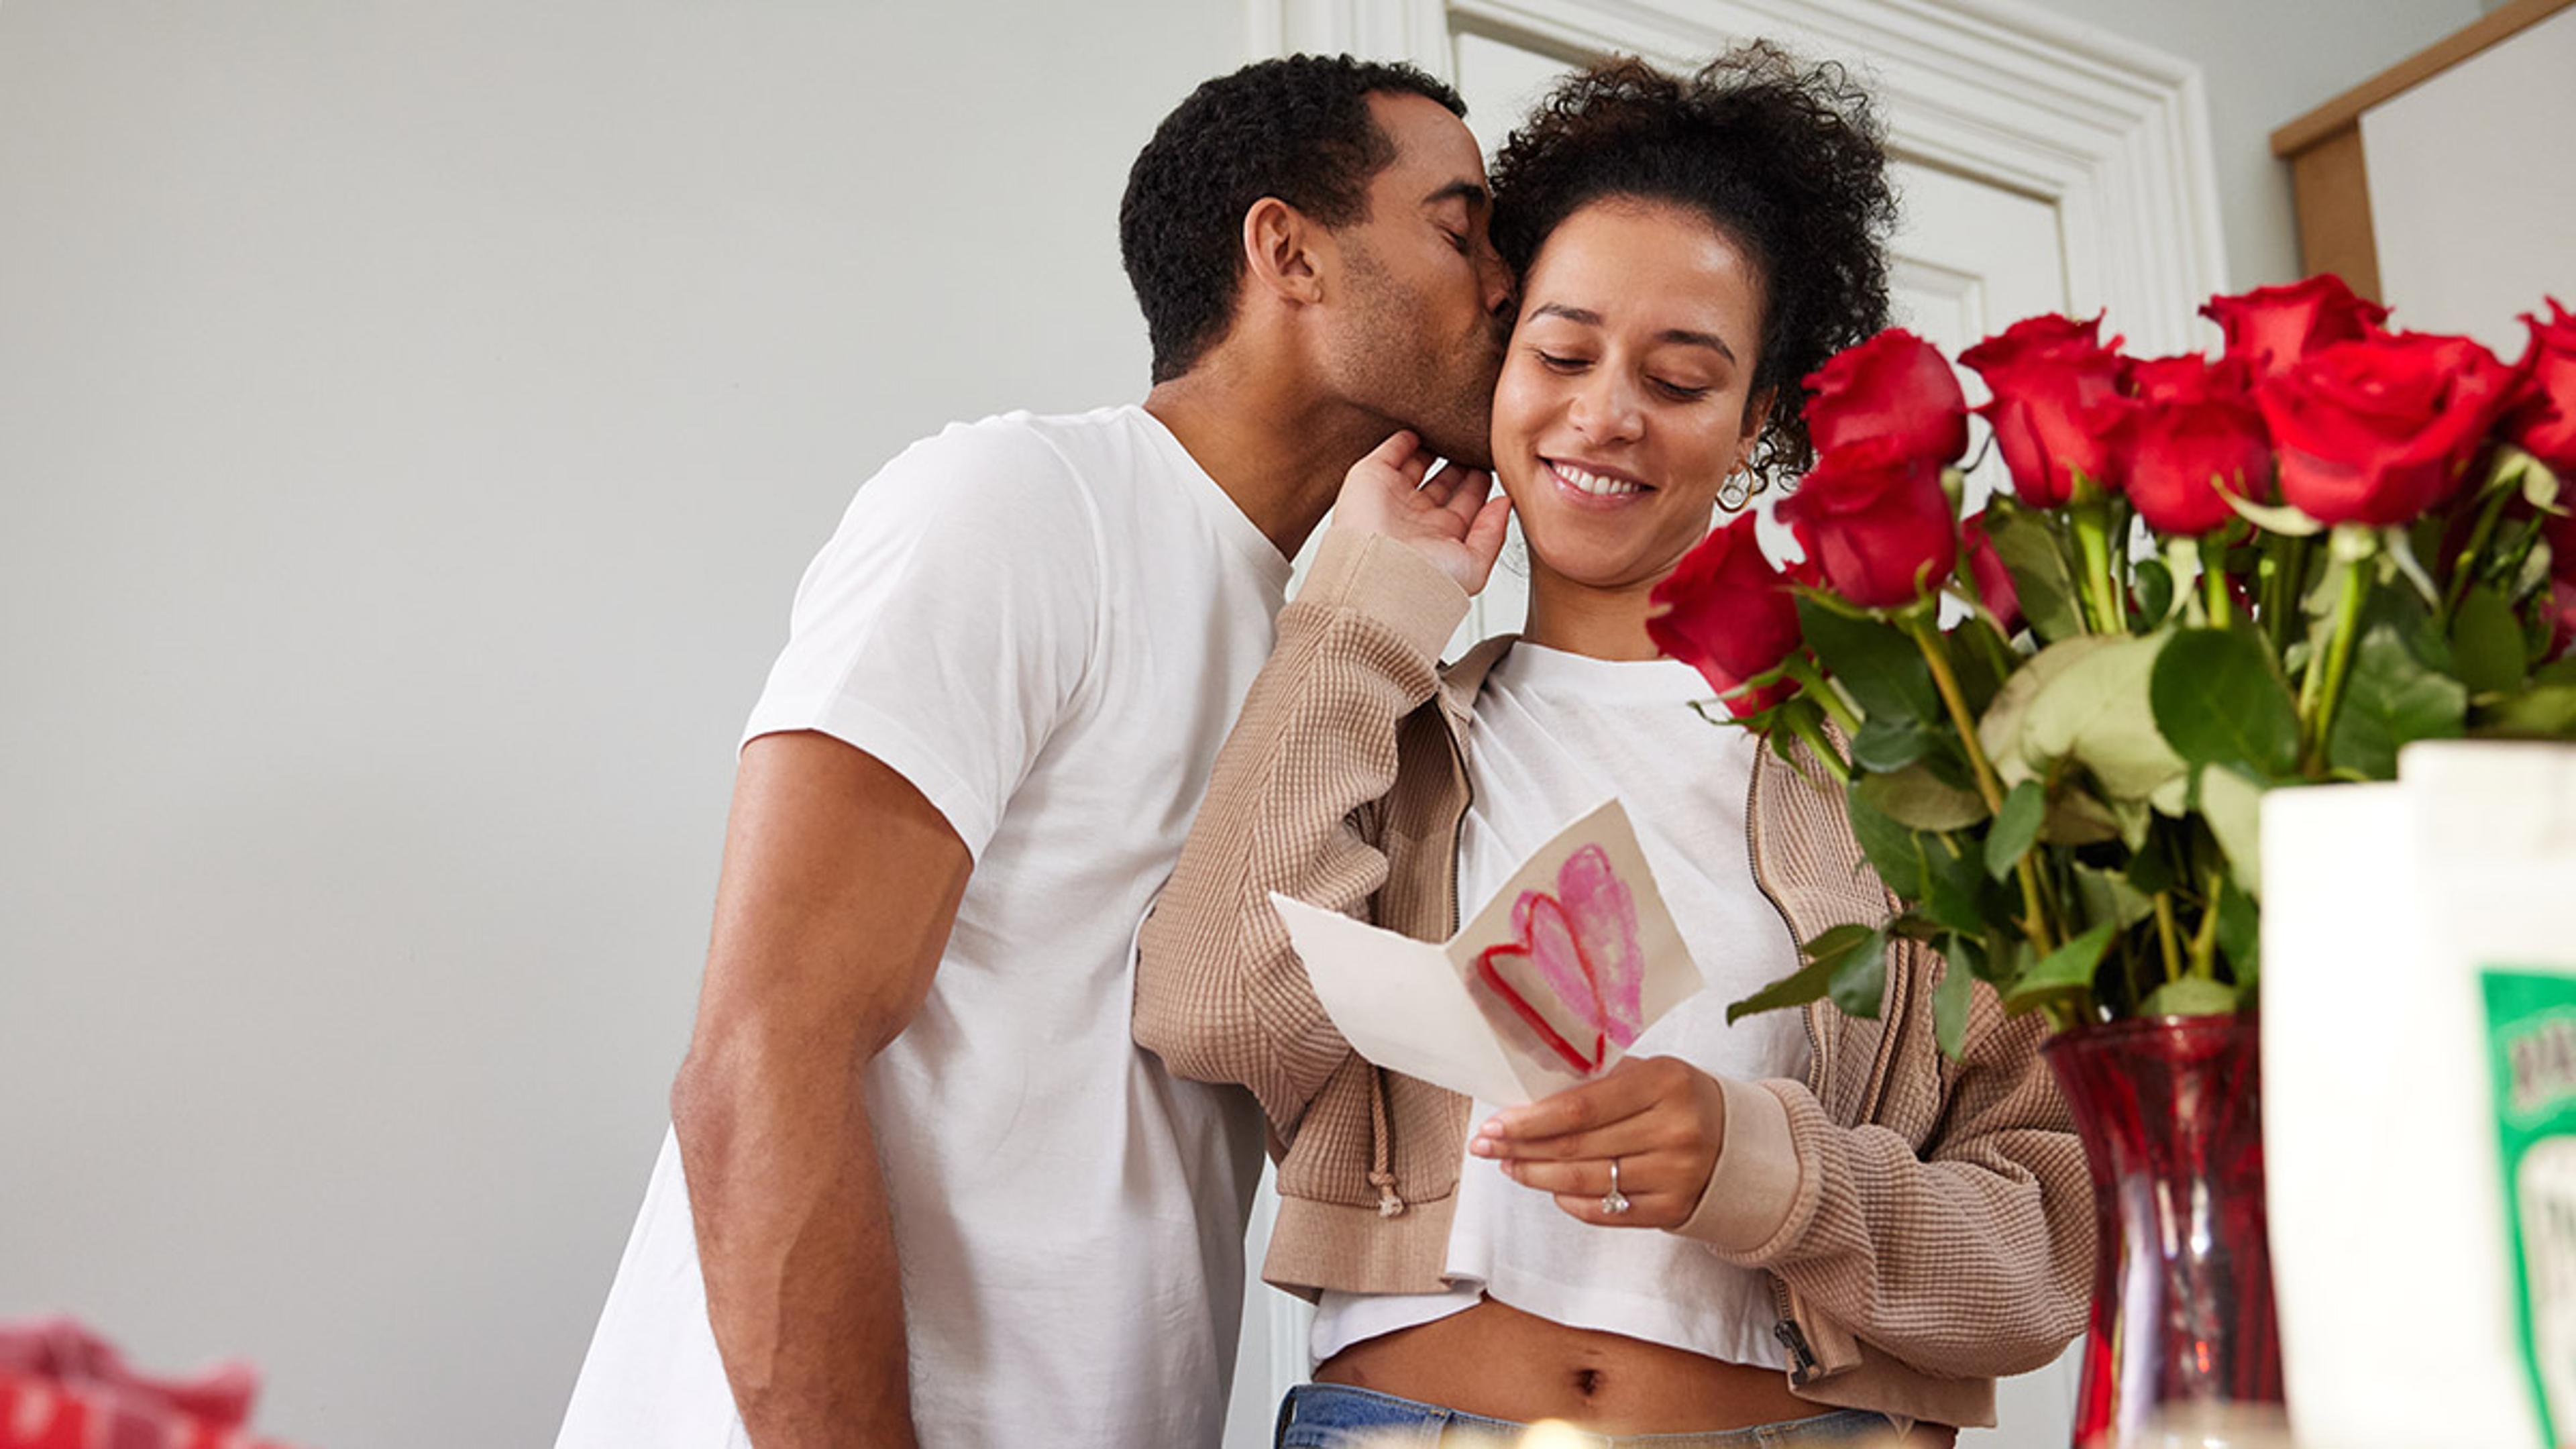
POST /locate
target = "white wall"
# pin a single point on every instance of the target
(2267, 62)
(2471, 219)
(413, 419)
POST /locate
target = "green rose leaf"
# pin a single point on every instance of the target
(2486, 643)
(1890, 742)
(2016, 826)
(1860, 977)
(2007, 720)
(1894, 851)
(1953, 889)
(1916, 798)
(2233, 806)
(2390, 700)
(2153, 585)
(2062, 973)
(1808, 983)
(1812, 981)
(2094, 713)
(2217, 701)
(1876, 664)
(2240, 937)
(2110, 896)
(2545, 713)
(2191, 996)
(2041, 579)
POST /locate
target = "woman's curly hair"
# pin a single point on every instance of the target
(1787, 160)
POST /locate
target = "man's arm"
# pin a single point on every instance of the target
(839, 887)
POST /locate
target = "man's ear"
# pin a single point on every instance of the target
(1284, 251)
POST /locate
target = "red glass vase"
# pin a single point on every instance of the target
(2182, 1331)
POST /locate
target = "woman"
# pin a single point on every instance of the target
(1819, 1225)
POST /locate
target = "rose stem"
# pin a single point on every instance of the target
(1826, 755)
(2093, 537)
(2204, 942)
(2461, 575)
(2213, 578)
(2166, 931)
(2338, 659)
(1919, 624)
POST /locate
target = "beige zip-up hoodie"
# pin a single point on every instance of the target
(1927, 1223)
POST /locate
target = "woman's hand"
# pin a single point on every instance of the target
(1449, 520)
(1661, 1119)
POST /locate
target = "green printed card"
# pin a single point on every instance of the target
(2531, 1053)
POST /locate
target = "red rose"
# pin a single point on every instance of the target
(1896, 386)
(2562, 615)
(2543, 420)
(2195, 430)
(2056, 392)
(1986, 570)
(1727, 613)
(2271, 328)
(1875, 523)
(2378, 431)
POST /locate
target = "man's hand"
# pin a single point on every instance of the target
(840, 885)
(1449, 520)
(1662, 1119)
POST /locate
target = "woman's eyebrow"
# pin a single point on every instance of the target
(1586, 317)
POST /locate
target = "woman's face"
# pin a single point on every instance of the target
(1622, 402)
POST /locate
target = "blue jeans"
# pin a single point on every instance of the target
(1330, 1416)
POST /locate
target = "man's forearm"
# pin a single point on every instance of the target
(797, 1248)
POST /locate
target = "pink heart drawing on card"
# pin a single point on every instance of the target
(1574, 972)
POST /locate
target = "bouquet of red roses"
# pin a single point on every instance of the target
(2210, 578)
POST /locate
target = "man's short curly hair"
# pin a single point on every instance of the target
(1297, 128)
(1787, 161)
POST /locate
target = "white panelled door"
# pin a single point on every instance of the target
(2041, 167)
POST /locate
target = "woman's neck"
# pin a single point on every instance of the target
(1599, 623)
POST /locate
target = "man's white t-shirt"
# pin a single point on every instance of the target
(1552, 734)
(1047, 625)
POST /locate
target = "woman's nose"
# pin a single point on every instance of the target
(1604, 407)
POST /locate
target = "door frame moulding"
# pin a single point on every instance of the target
(2112, 134)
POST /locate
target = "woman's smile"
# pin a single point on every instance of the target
(1594, 483)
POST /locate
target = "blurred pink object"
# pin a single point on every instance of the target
(64, 1387)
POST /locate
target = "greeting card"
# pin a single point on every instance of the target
(1545, 987)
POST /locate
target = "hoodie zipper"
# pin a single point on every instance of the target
(1382, 1124)
(1802, 1355)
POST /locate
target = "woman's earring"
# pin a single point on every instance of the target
(1735, 490)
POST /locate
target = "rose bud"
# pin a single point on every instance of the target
(1876, 524)
(2271, 328)
(1895, 386)
(2194, 431)
(1986, 570)
(2378, 431)
(1727, 613)
(2056, 392)
(2543, 420)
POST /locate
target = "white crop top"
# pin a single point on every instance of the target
(1553, 733)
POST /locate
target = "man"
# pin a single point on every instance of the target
(938, 1196)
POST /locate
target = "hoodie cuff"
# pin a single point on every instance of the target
(1754, 1186)
(1375, 575)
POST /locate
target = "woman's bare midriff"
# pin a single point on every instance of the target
(1496, 1361)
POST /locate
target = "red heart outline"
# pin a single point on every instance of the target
(1582, 958)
